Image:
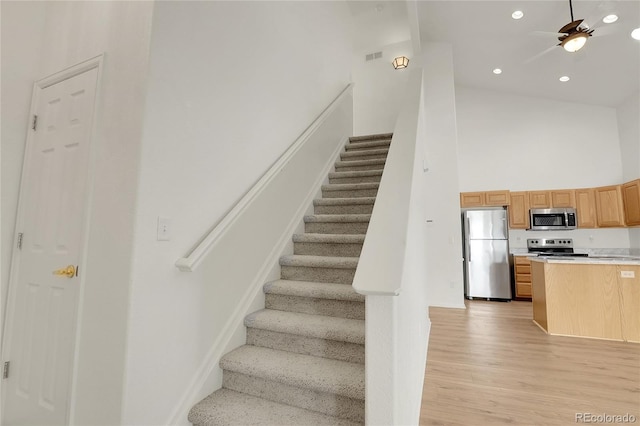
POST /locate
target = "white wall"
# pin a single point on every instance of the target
(23, 21)
(523, 143)
(629, 129)
(73, 32)
(628, 114)
(532, 143)
(444, 255)
(232, 85)
(379, 89)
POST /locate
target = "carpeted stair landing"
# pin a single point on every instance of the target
(303, 363)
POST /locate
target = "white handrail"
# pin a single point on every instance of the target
(381, 263)
(193, 259)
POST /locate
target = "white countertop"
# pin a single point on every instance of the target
(603, 259)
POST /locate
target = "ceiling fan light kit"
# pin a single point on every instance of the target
(574, 42)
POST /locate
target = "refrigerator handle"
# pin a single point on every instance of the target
(467, 226)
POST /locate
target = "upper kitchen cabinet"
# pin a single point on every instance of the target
(519, 210)
(563, 198)
(609, 208)
(586, 208)
(496, 198)
(471, 199)
(539, 199)
(631, 202)
(484, 198)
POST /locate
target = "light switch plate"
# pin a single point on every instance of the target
(164, 229)
(627, 274)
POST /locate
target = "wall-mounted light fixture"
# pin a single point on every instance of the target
(400, 62)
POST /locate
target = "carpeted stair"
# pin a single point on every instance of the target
(303, 363)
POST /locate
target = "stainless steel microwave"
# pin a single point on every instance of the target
(553, 219)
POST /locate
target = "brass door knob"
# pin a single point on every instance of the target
(69, 271)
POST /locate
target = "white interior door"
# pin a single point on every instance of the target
(41, 326)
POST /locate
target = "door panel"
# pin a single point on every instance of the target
(41, 333)
(489, 270)
(487, 224)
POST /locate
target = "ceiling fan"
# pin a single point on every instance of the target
(573, 36)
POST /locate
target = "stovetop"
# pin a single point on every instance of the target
(552, 247)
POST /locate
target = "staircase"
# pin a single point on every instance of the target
(303, 363)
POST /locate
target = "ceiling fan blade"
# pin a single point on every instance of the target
(544, 52)
(547, 34)
(604, 31)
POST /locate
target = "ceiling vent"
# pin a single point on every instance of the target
(373, 56)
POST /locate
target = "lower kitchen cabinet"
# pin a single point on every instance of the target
(522, 269)
(600, 301)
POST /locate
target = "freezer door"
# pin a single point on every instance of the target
(487, 224)
(487, 269)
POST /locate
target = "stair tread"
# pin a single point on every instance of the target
(332, 218)
(228, 407)
(352, 163)
(375, 137)
(343, 201)
(329, 238)
(304, 371)
(364, 152)
(360, 173)
(364, 146)
(350, 186)
(313, 289)
(319, 261)
(309, 325)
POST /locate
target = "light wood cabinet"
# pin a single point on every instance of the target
(631, 202)
(586, 208)
(496, 198)
(587, 300)
(609, 209)
(471, 199)
(539, 199)
(563, 198)
(630, 302)
(519, 210)
(522, 270)
(607, 206)
(484, 198)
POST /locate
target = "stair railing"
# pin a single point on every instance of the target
(191, 261)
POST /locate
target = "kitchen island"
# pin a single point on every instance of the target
(596, 297)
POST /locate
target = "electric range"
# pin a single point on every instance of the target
(553, 247)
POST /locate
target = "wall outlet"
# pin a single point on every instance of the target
(164, 229)
(627, 274)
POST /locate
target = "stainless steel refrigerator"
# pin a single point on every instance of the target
(487, 273)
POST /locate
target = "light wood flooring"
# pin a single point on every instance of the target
(491, 365)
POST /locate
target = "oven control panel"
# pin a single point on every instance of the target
(549, 243)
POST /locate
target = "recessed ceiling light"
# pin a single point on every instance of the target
(497, 71)
(636, 33)
(517, 14)
(609, 19)
(564, 78)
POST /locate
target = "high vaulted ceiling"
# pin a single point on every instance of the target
(606, 71)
